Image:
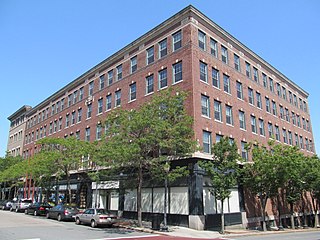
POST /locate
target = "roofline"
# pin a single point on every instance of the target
(24, 108)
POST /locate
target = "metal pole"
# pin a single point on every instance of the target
(165, 227)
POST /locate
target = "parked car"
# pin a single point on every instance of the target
(20, 204)
(62, 212)
(5, 204)
(96, 217)
(38, 208)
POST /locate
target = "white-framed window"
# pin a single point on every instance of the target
(109, 102)
(244, 151)
(217, 111)
(87, 134)
(250, 96)
(239, 90)
(259, 101)
(253, 124)
(67, 120)
(226, 84)
(133, 92)
(73, 118)
(277, 133)
(119, 72)
(100, 105)
(80, 93)
(271, 86)
(248, 70)
(206, 141)
(274, 108)
(284, 135)
(213, 47)
(163, 48)
(261, 127)
(268, 109)
(91, 87)
(255, 75)
(163, 78)
(98, 132)
(264, 80)
(177, 40)
(278, 87)
(150, 55)
(133, 63)
(177, 72)
(242, 120)
(201, 40)
(101, 82)
(229, 116)
(203, 72)
(270, 130)
(224, 54)
(149, 84)
(79, 114)
(110, 77)
(89, 110)
(236, 62)
(215, 78)
(205, 106)
(118, 98)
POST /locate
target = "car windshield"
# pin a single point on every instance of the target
(101, 211)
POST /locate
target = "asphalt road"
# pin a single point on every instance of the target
(308, 235)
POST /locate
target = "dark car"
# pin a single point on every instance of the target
(96, 217)
(5, 204)
(38, 209)
(62, 212)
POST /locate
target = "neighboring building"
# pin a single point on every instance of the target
(232, 92)
(16, 131)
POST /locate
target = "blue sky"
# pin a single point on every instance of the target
(44, 45)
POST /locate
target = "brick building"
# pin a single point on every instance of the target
(232, 92)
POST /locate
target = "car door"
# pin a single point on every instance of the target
(86, 216)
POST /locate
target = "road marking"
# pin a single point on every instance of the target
(31, 239)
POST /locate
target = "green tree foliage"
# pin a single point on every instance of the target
(222, 171)
(140, 141)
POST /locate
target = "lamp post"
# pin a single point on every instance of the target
(166, 169)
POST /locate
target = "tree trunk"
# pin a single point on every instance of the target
(139, 197)
(222, 218)
(291, 216)
(263, 212)
(68, 197)
(279, 212)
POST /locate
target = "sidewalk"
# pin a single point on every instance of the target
(179, 231)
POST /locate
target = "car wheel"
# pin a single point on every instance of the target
(26, 211)
(17, 209)
(93, 223)
(35, 213)
(59, 217)
(3, 208)
(47, 216)
(11, 209)
(78, 222)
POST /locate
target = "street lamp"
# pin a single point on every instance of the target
(166, 169)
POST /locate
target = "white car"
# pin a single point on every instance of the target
(20, 204)
(96, 217)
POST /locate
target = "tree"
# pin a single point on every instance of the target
(142, 140)
(65, 155)
(222, 171)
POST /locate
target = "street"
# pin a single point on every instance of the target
(312, 235)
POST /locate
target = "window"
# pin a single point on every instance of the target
(215, 78)
(226, 84)
(253, 124)
(150, 55)
(261, 127)
(271, 87)
(98, 132)
(69, 102)
(300, 104)
(100, 105)
(224, 54)
(277, 133)
(101, 85)
(202, 40)
(149, 84)
(290, 137)
(67, 120)
(177, 72)
(163, 81)
(60, 126)
(176, 39)
(281, 112)
(50, 131)
(80, 93)
(304, 123)
(284, 135)
(207, 141)
(87, 134)
(236, 62)
(242, 120)
(295, 102)
(278, 89)
(298, 121)
(118, 98)
(108, 102)
(163, 48)
(244, 152)
(293, 118)
(305, 109)
(274, 108)
(239, 90)
(308, 125)
(255, 75)
(287, 115)
(217, 111)
(205, 106)
(270, 130)
(268, 105)
(133, 62)
(55, 126)
(89, 110)
(290, 97)
(259, 101)
(264, 80)
(301, 142)
(73, 118)
(284, 93)
(218, 138)
(248, 70)
(307, 144)
(78, 135)
(203, 72)
(110, 77)
(133, 92)
(213, 47)
(119, 72)
(79, 114)
(250, 96)
(91, 86)
(229, 117)
(296, 140)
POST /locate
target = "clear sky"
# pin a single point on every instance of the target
(44, 45)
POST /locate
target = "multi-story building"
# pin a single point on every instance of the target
(232, 92)
(16, 131)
